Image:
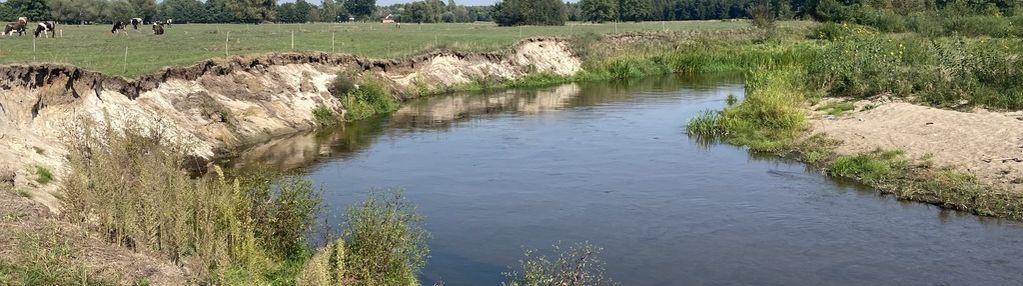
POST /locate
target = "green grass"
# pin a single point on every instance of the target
(43, 175)
(837, 108)
(872, 168)
(93, 47)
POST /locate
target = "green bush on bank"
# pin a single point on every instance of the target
(369, 97)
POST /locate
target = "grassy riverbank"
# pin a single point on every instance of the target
(856, 62)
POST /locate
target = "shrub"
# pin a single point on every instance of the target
(578, 265)
(342, 84)
(384, 241)
(43, 175)
(370, 98)
(326, 267)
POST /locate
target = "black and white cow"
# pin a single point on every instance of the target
(169, 22)
(157, 28)
(46, 27)
(135, 22)
(16, 27)
(118, 26)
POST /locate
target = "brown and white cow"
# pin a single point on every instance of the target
(16, 27)
(157, 28)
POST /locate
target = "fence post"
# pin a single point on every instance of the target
(332, 50)
(226, 41)
(125, 59)
(33, 49)
(292, 40)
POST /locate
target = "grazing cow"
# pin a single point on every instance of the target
(157, 28)
(118, 26)
(135, 22)
(46, 27)
(169, 22)
(18, 27)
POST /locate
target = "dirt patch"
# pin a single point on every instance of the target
(985, 143)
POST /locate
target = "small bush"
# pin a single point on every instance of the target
(43, 175)
(326, 267)
(342, 84)
(578, 265)
(384, 241)
(370, 98)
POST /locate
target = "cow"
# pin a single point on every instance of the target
(118, 26)
(46, 27)
(169, 22)
(157, 28)
(18, 27)
(135, 22)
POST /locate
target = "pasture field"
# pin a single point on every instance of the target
(94, 47)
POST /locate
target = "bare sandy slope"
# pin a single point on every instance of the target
(985, 143)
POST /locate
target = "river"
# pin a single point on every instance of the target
(610, 163)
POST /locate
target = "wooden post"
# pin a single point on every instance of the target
(332, 50)
(125, 59)
(292, 40)
(33, 49)
(226, 41)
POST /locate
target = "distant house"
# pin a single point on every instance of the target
(388, 19)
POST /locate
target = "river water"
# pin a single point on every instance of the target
(611, 164)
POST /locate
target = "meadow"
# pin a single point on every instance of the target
(94, 47)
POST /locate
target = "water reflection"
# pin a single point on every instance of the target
(436, 114)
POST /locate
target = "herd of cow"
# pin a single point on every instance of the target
(48, 28)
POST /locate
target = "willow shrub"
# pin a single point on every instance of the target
(128, 185)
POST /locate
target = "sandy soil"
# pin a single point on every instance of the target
(985, 143)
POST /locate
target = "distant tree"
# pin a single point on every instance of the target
(217, 11)
(361, 9)
(35, 10)
(118, 10)
(421, 12)
(529, 12)
(328, 11)
(145, 9)
(633, 10)
(599, 11)
(182, 11)
(252, 11)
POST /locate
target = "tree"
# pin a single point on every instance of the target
(118, 10)
(599, 11)
(35, 10)
(252, 11)
(217, 11)
(145, 9)
(361, 9)
(633, 10)
(328, 11)
(421, 12)
(182, 11)
(529, 12)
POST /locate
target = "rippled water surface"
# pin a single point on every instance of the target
(611, 164)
